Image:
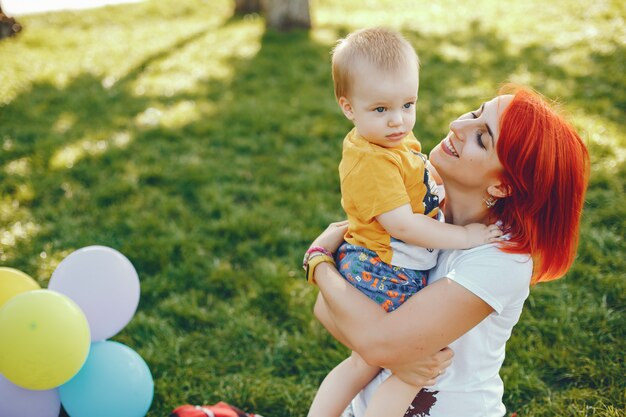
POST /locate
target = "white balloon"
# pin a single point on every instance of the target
(105, 285)
(20, 402)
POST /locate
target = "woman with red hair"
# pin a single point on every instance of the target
(515, 161)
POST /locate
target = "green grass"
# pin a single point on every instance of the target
(205, 149)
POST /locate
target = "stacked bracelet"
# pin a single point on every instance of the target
(312, 250)
(312, 258)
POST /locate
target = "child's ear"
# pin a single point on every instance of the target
(346, 107)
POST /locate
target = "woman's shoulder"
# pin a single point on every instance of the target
(485, 262)
(491, 250)
(501, 279)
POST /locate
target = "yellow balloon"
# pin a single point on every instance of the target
(14, 282)
(44, 339)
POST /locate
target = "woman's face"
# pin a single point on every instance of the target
(467, 156)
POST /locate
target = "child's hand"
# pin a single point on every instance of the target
(479, 234)
(424, 372)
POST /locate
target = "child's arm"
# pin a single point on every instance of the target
(421, 230)
(341, 385)
(391, 399)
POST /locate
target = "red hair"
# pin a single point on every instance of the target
(546, 170)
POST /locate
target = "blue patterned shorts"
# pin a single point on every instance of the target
(388, 285)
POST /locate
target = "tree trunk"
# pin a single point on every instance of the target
(287, 14)
(247, 6)
(8, 25)
(279, 14)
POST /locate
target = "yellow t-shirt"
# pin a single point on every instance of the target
(375, 180)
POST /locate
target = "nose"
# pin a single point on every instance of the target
(395, 118)
(458, 127)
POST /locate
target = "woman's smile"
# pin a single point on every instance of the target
(448, 147)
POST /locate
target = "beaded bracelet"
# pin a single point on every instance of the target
(312, 250)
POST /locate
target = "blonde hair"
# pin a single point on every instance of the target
(383, 48)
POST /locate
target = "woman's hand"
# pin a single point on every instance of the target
(424, 372)
(332, 237)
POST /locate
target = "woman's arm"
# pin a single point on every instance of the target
(420, 373)
(426, 323)
(323, 315)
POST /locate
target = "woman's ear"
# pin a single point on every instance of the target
(499, 190)
(346, 107)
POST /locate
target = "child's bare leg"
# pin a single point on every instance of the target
(392, 398)
(341, 385)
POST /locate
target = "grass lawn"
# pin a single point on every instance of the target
(205, 149)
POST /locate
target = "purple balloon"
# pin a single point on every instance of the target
(103, 283)
(20, 402)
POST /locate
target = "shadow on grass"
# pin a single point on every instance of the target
(215, 213)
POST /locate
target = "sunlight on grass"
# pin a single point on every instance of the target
(64, 123)
(48, 260)
(324, 35)
(605, 138)
(563, 22)
(111, 51)
(205, 148)
(174, 116)
(15, 233)
(212, 55)
(19, 167)
(70, 155)
(454, 52)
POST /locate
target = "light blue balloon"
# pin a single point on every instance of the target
(115, 381)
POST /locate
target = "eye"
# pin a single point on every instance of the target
(379, 109)
(479, 139)
(474, 115)
(408, 105)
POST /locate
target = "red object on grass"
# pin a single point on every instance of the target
(221, 409)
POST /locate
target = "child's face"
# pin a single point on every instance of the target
(382, 104)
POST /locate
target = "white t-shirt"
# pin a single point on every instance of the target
(471, 386)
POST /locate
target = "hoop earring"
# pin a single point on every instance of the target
(489, 202)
